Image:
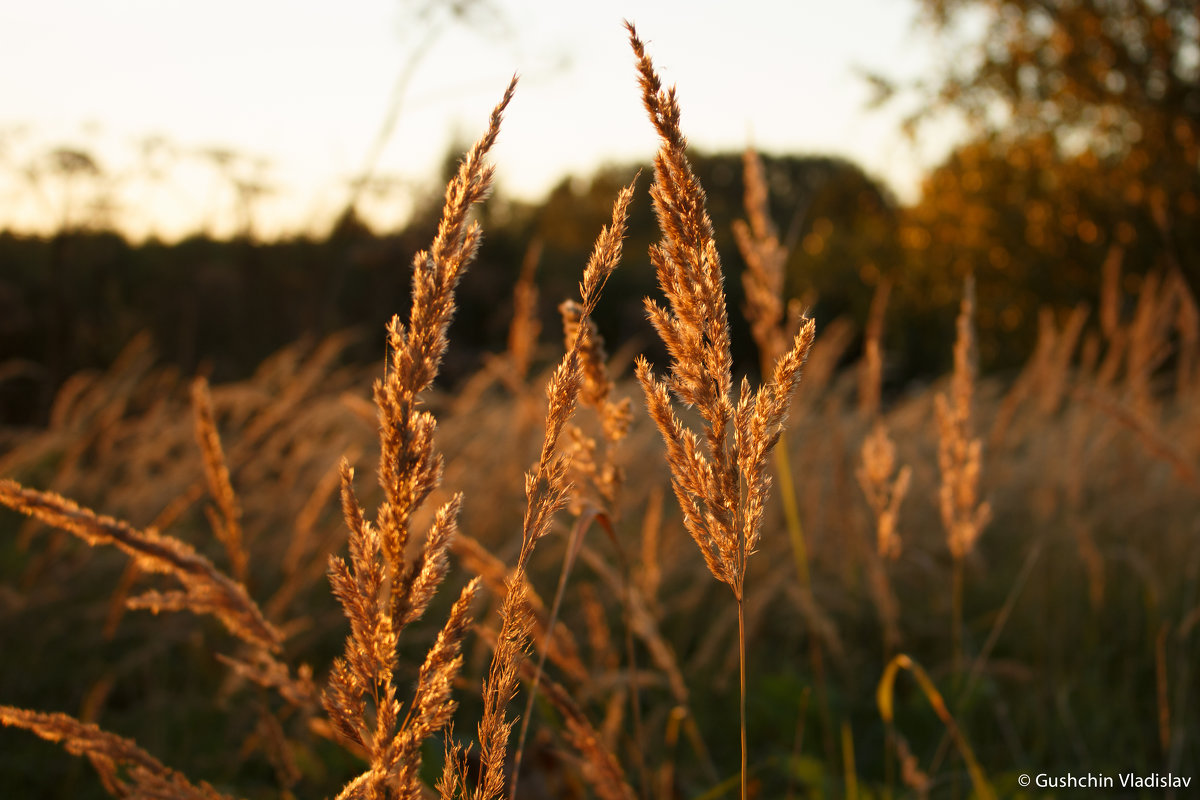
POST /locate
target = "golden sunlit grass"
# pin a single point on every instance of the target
(595, 601)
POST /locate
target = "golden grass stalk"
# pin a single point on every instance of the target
(559, 643)
(450, 783)
(600, 768)
(126, 769)
(643, 623)
(205, 589)
(695, 329)
(409, 467)
(1148, 347)
(870, 380)
(604, 476)
(960, 456)
(305, 560)
(574, 540)
(525, 327)
(299, 690)
(959, 452)
(1156, 442)
(884, 492)
(227, 527)
(720, 481)
(650, 574)
(279, 752)
(771, 325)
(599, 476)
(884, 487)
(380, 591)
(1187, 326)
(547, 491)
(766, 259)
(367, 670)
(1047, 375)
(604, 655)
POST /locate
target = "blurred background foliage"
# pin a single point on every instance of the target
(1084, 129)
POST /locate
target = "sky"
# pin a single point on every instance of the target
(292, 96)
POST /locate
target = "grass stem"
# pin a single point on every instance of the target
(956, 617)
(791, 511)
(741, 604)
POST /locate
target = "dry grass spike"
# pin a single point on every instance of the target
(960, 457)
(205, 589)
(228, 527)
(547, 491)
(125, 768)
(960, 453)
(720, 481)
(884, 487)
(380, 591)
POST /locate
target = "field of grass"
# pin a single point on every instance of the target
(926, 594)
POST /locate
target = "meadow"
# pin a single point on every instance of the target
(583, 575)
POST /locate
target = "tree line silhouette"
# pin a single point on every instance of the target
(1084, 146)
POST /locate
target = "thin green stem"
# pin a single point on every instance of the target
(849, 770)
(791, 514)
(791, 511)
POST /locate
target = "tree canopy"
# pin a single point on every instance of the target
(1102, 95)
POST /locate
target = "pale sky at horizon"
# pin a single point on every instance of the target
(305, 86)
